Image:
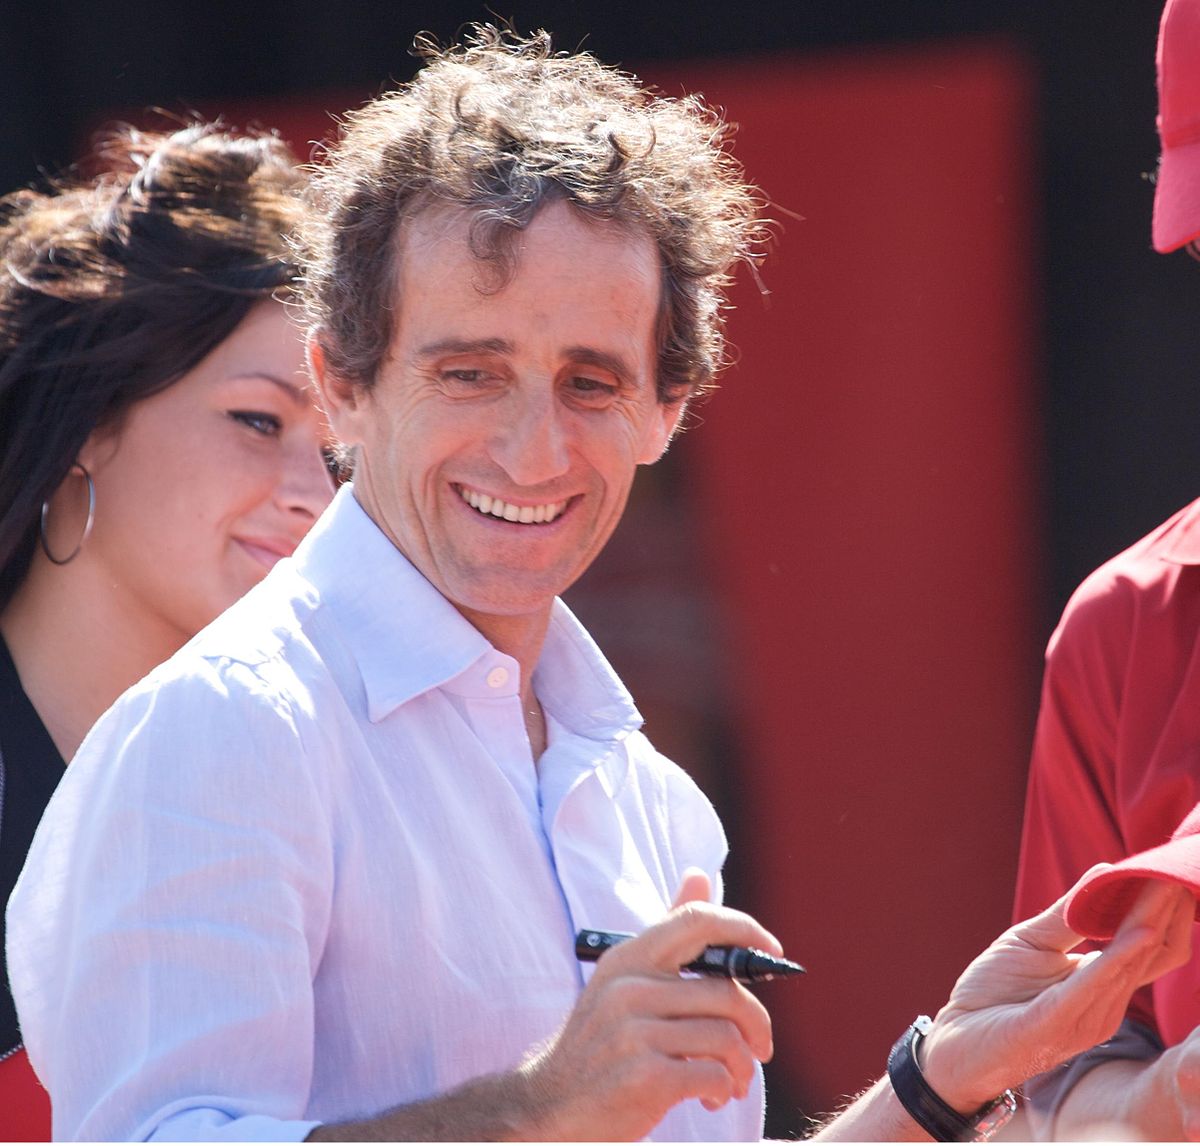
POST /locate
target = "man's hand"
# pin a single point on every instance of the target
(1027, 1004)
(642, 1039)
(639, 1040)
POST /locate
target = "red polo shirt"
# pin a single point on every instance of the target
(1116, 758)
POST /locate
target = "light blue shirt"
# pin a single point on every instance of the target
(306, 871)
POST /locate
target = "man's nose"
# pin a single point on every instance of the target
(531, 441)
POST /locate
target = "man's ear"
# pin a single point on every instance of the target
(660, 429)
(341, 400)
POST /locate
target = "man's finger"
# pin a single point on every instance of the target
(676, 999)
(1149, 936)
(688, 929)
(1170, 909)
(1155, 907)
(716, 1039)
(1049, 931)
(694, 885)
(1154, 936)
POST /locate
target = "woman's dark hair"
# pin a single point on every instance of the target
(111, 290)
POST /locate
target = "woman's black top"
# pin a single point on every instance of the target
(30, 769)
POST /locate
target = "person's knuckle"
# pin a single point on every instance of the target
(622, 995)
(1187, 1074)
(754, 1008)
(721, 996)
(708, 1078)
(695, 913)
(754, 1021)
(632, 1041)
(715, 1037)
(736, 1058)
(729, 1033)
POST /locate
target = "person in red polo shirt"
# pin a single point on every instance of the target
(1116, 758)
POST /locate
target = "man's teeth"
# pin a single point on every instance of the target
(525, 514)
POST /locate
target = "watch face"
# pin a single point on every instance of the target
(993, 1117)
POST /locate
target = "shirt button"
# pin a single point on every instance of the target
(498, 677)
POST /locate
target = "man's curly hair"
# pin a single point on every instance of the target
(502, 125)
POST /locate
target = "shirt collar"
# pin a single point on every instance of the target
(404, 635)
(407, 639)
(1184, 548)
(578, 686)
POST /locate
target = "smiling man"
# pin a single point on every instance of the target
(320, 874)
(498, 441)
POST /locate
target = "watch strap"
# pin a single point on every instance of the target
(940, 1121)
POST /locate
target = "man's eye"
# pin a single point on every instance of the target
(589, 387)
(470, 381)
(266, 424)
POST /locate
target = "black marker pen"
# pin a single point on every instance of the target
(745, 964)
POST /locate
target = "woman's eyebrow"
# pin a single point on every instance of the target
(299, 393)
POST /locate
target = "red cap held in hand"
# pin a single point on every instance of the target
(1101, 900)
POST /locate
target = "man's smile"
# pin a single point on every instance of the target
(485, 503)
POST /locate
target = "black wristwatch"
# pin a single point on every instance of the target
(941, 1122)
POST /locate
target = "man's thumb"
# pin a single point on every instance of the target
(694, 885)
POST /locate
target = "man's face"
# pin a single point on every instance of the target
(500, 440)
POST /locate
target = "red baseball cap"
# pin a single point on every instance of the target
(1100, 900)
(1177, 192)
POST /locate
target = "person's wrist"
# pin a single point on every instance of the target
(929, 1109)
(941, 1064)
(536, 1114)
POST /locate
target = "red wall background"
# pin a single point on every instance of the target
(868, 477)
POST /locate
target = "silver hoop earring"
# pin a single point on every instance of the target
(87, 527)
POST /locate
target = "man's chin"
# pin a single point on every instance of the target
(500, 596)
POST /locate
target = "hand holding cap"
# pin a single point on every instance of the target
(1103, 897)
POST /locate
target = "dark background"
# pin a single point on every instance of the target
(1112, 346)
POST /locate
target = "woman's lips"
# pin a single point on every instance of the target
(267, 552)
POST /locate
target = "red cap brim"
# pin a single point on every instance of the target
(1177, 197)
(1102, 899)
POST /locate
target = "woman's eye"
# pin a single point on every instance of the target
(266, 424)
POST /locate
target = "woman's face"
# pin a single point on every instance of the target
(205, 485)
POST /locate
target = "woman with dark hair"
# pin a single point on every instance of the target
(159, 448)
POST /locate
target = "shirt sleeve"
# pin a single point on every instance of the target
(165, 931)
(697, 837)
(1071, 819)
(1071, 811)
